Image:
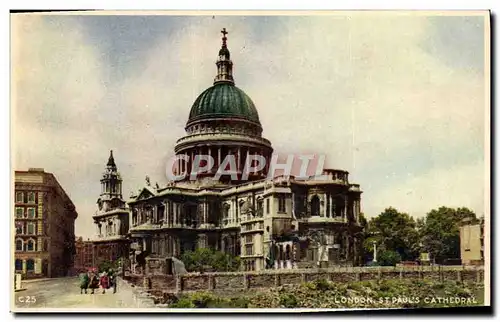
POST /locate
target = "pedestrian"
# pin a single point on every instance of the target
(104, 281)
(84, 282)
(112, 280)
(93, 282)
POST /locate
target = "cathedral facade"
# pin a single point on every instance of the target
(270, 222)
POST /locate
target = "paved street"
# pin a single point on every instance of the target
(65, 293)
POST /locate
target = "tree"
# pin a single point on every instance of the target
(389, 258)
(440, 233)
(207, 259)
(393, 231)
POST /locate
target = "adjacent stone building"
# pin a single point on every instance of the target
(84, 256)
(472, 242)
(44, 221)
(274, 223)
(111, 218)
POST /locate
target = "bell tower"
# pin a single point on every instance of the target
(111, 218)
(111, 187)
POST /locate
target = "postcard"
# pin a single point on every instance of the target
(248, 161)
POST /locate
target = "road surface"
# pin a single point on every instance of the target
(64, 293)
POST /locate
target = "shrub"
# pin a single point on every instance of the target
(203, 258)
(288, 301)
(323, 285)
(389, 258)
(183, 302)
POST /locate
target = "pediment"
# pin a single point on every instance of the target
(145, 194)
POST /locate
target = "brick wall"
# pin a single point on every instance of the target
(258, 280)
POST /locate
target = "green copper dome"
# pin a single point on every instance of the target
(223, 100)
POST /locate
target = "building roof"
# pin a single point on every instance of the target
(223, 100)
(111, 161)
(38, 176)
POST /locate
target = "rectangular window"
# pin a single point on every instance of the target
(267, 206)
(19, 227)
(249, 250)
(31, 197)
(19, 197)
(31, 212)
(281, 204)
(19, 212)
(248, 239)
(31, 228)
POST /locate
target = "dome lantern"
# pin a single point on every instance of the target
(224, 63)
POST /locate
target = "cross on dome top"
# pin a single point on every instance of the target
(224, 38)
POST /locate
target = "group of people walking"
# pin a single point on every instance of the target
(92, 280)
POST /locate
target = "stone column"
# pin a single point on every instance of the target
(174, 209)
(205, 212)
(331, 206)
(247, 157)
(255, 154)
(325, 208)
(345, 208)
(210, 154)
(218, 157)
(24, 266)
(238, 162)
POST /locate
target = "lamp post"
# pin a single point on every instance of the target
(374, 252)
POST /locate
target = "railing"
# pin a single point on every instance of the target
(221, 136)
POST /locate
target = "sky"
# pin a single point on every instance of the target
(397, 100)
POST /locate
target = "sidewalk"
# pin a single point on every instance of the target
(45, 279)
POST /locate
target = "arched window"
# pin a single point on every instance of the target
(19, 264)
(19, 245)
(30, 265)
(260, 207)
(242, 207)
(315, 206)
(225, 211)
(30, 245)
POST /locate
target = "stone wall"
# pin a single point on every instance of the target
(265, 279)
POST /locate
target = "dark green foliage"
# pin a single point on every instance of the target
(440, 233)
(393, 231)
(107, 265)
(208, 300)
(389, 258)
(288, 300)
(207, 259)
(323, 294)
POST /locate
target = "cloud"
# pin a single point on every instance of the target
(457, 186)
(374, 93)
